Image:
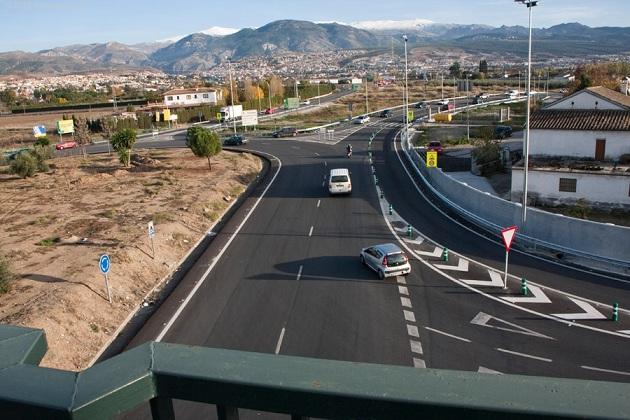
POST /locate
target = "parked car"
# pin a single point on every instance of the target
(502, 131)
(285, 132)
(362, 119)
(435, 146)
(235, 140)
(306, 102)
(443, 102)
(386, 259)
(386, 113)
(66, 145)
(269, 111)
(339, 181)
(421, 105)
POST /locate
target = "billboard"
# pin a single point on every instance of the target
(249, 118)
(39, 131)
(167, 114)
(65, 126)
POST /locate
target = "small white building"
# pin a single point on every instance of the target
(579, 147)
(192, 97)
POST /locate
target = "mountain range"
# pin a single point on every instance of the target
(202, 51)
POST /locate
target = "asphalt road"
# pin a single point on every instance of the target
(283, 277)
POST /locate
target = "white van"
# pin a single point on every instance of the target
(339, 181)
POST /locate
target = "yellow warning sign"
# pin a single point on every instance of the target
(432, 159)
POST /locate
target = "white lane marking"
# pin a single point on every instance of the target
(529, 356)
(323, 183)
(405, 302)
(316, 154)
(436, 252)
(462, 265)
(490, 371)
(418, 241)
(325, 163)
(318, 203)
(179, 311)
(299, 274)
(627, 332)
(496, 280)
(589, 312)
(401, 280)
(403, 290)
(482, 319)
(310, 232)
(416, 346)
(412, 330)
(419, 363)
(447, 334)
(605, 370)
(401, 230)
(538, 296)
(279, 344)
(409, 316)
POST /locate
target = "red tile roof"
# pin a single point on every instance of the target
(582, 120)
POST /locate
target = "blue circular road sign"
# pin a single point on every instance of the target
(103, 264)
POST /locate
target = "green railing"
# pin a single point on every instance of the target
(158, 373)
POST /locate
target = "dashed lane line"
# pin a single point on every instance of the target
(448, 335)
(401, 280)
(279, 344)
(616, 372)
(409, 316)
(318, 203)
(529, 356)
(310, 232)
(299, 274)
(419, 363)
(406, 302)
(416, 346)
(403, 290)
(412, 330)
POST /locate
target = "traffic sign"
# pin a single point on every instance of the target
(508, 236)
(432, 159)
(409, 116)
(151, 228)
(103, 263)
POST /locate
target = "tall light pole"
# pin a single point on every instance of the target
(367, 109)
(530, 5)
(406, 94)
(231, 93)
(467, 109)
(269, 94)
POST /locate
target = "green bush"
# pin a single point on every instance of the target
(5, 274)
(42, 141)
(24, 165)
(203, 142)
(42, 154)
(122, 142)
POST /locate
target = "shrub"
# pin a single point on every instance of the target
(42, 141)
(5, 274)
(624, 159)
(203, 143)
(42, 154)
(122, 142)
(24, 165)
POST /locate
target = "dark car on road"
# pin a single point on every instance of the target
(285, 132)
(386, 113)
(235, 140)
(502, 132)
(435, 146)
(420, 105)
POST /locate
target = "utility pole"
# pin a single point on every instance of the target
(367, 109)
(442, 76)
(467, 109)
(319, 99)
(231, 93)
(269, 94)
(406, 96)
(296, 89)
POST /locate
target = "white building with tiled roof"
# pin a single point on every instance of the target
(580, 150)
(192, 97)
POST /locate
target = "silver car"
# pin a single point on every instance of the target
(386, 259)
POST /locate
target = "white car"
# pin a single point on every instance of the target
(386, 259)
(306, 102)
(362, 119)
(443, 102)
(339, 181)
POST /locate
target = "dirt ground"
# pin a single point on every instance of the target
(54, 227)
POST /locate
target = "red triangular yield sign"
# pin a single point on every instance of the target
(508, 236)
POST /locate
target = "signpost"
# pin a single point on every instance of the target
(103, 265)
(39, 131)
(151, 229)
(508, 235)
(432, 157)
(249, 118)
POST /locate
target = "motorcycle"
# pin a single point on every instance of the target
(349, 154)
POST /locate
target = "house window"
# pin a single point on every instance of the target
(205, 96)
(169, 98)
(178, 97)
(187, 96)
(568, 185)
(195, 96)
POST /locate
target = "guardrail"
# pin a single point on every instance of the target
(157, 373)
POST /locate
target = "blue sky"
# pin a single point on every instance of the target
(31, 25)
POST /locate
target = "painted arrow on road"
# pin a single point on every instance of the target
(462, 265)
(495, 280)
(437, 252)
(589, 312)
(538, 296)
(418, 241)
(482, 320)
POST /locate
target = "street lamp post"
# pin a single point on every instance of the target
(530, 5)
(406, 96)
(467, 109)
(231, 93)
(269, 93)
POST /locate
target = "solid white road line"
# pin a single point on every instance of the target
(538, 296)
(409, 316)
(419, 363)
(279, 344)
(177, 313)
(482, 319)
(412, 330)
(310, 232)
(589, 312)
(496, 280)
(299, 274)
(403, 290)
(529, 356)
(318, 203)
(405, 302)
(416, 346)
(605, 370)
(448, 335)
(462, 265)
(490, 371)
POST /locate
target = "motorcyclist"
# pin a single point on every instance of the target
(349, 150)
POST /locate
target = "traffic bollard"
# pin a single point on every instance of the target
(615, 313)
(445, 254)
(375, 180)
(391, 210)
(409, 231)
(373, 170)
(382, 194)
(524, 289)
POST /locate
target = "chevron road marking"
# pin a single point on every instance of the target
(538, 296)
(436, 252)
(418, 241)
(482, 320)
(627, 332)
(462, 265)
(589, 312)
(401, 230)
(495, 280)
(490, 371)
